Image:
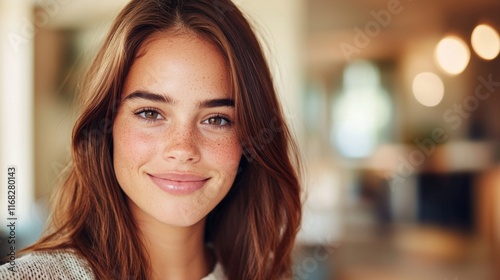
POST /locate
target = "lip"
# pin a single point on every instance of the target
(178, 183)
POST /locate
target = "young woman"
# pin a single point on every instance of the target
(183, 167)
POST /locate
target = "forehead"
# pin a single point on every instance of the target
(178, 61)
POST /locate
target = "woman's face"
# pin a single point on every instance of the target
(176, 150)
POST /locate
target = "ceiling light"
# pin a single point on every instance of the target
(485, 41)
(452, 55)
(428, 89)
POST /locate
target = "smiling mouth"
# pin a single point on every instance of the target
(178, 183)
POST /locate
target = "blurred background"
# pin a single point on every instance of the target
(394, 105)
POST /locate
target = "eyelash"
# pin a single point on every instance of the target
(222, 117)
(148, 110)
(152, 110)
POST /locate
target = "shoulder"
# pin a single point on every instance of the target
(48, 265)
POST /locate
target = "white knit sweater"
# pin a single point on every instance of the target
(63, 265)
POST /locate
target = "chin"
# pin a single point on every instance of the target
(182, 216)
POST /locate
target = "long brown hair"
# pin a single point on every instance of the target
(253, 229)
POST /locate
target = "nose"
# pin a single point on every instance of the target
(181, 145)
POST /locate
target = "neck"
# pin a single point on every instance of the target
(175, 252)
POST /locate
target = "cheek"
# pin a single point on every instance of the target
(225, 154)
(130, 148)
(223, 157)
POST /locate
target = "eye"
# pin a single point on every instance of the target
(149, 114)
(217, 121)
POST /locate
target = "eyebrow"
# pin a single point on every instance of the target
(149, 96)
(210, 103)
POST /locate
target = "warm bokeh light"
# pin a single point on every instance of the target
(428, 89)
(485, 41)
(452, 55)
